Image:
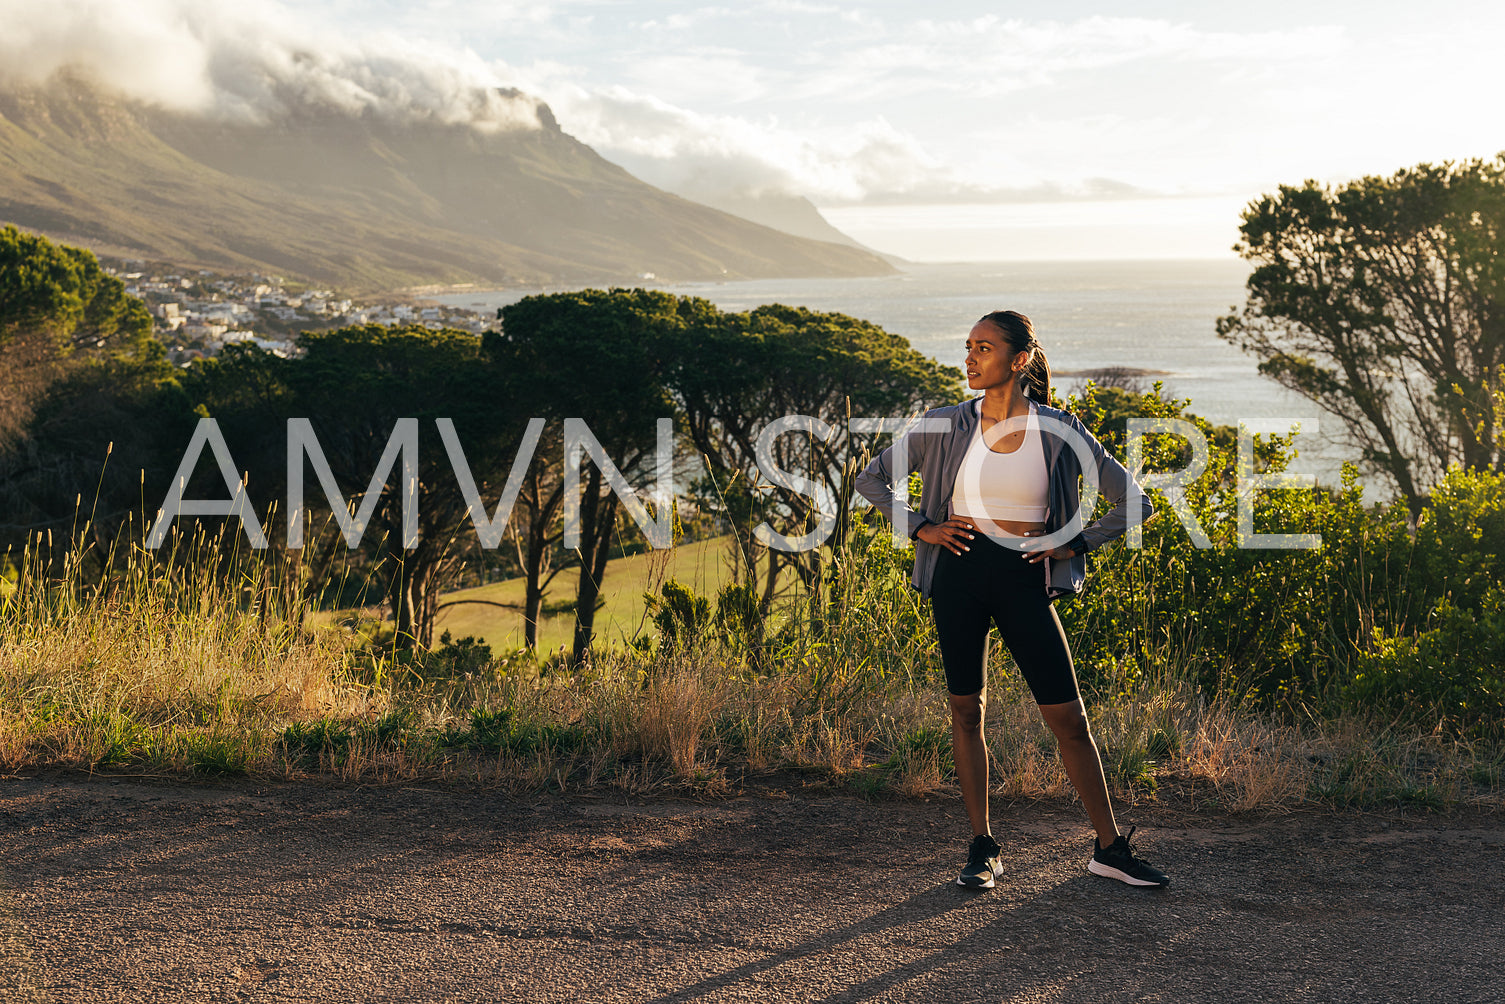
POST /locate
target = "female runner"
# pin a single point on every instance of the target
(998, 537)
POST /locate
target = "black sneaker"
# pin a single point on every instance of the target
(1118, 861)
(983, 864)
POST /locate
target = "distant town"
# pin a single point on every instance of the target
(197, 313)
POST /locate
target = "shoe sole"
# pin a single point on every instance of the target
(1108, 871)
(980, 881)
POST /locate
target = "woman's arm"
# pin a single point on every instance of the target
(1114, 481)
(877, 484)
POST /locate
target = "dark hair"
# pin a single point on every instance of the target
(1019, 333)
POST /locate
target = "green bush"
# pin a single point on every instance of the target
(307, 743)
(456, 658)
(862, 630)
(1453, 669)
(1460, 537)
(681, 616)
(489, 730)
(1252, 620)
(1376, 617)
(218, 754)
(737, 615)
(117, 739)
(500, 731)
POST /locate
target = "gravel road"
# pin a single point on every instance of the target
(127, 890)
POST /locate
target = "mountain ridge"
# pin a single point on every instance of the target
(793, 214)
(368, 203)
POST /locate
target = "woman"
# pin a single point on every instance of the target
(998, 537)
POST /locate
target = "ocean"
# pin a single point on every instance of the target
(1152, 316)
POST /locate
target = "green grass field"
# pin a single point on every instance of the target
(704, 566)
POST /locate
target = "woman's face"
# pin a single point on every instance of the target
(990, 361)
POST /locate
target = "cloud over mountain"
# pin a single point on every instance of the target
(256, 61)
(697, 154)
(251, 61)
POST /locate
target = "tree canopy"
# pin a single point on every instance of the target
(750, 368)
(81, 380)
(63, 292)
(603, 356)
(618, 360)
(353, 385)
(1383, 300)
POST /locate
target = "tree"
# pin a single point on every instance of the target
(737, 372)
(601, 356)
(1381, 301)
(92, 438)
(63, 291)
(81, 380)
(353, 385)
(58, 310)
(541, 498)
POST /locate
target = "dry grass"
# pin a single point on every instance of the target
(675, 712)
(1249, 763)
(170, 670)
(155, 658)
(1023, 762)
(920, 776)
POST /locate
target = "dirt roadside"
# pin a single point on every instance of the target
(124, 890)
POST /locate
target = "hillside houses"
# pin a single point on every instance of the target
(197, 315)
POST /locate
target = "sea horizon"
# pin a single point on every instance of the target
(1156, 316)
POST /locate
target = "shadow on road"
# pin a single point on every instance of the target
(929, 905)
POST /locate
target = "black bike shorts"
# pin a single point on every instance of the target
(994, 584)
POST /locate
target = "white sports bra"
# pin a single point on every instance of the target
(1003, 486)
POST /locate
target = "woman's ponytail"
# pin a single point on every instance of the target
(1034, 379)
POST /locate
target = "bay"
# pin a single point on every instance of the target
(1154, 316)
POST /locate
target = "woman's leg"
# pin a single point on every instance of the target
(1083, 765)
(1033, 633)
(958, 602)
(970, 752)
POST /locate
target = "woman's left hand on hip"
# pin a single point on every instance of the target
(1058, 553)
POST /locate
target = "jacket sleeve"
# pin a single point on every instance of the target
(1114, 481)
(876, 483)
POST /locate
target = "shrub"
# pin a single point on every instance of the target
(681, 616)
(456, 658)
(1453, 669)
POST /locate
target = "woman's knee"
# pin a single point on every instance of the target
(1067, 721)
(967, 711)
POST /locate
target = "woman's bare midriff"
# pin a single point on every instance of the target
(1004, 527)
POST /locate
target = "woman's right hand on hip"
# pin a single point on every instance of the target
(952, 534)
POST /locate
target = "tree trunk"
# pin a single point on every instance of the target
(597, 522)
(426, 602)
(533, 596)
(585, 603)
(535, 559)
(401, 597)
(765, 604)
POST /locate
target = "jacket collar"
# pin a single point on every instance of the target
(966, 412)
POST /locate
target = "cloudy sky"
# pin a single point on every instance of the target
(958, 131)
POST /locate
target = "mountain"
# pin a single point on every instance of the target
(793, 214)
(368, 203)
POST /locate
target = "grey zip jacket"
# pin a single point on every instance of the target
(936, 445)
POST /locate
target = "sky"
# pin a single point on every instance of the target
(959, 131)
